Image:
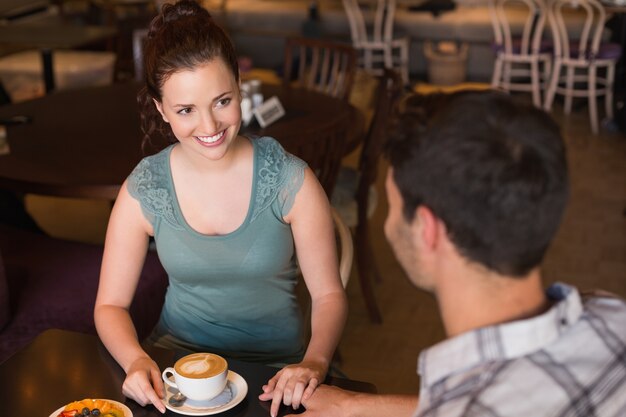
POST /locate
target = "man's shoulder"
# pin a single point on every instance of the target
(571, 360)
(543, 384)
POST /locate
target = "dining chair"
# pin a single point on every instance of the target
(377, 43)
(321, 65)
(355, 195)
(322, 149)
(139, 37)
(581, 52)
(523, 57)
(346, 247)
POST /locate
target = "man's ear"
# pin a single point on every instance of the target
(159, 107)
(426, 228)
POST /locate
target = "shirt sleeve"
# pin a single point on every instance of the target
(294, 177)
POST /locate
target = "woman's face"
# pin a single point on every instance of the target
(203, 109)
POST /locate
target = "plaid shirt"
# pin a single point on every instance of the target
(569, 361)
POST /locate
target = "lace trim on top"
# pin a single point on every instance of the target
(149, 183)
(277, 170)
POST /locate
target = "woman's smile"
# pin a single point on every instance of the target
(214, 140)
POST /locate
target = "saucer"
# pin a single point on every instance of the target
(125, 409)
(235, 391)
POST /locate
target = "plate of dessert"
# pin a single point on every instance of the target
(93, 408)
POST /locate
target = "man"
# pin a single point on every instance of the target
(476, 192)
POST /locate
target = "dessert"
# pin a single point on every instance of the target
(91, 408)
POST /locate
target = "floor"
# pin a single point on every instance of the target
(589, 251)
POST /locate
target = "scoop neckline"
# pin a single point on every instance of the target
(246, 220)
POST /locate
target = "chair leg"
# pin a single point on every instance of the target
(367, 59)
(547, 66)
(569, 89)
(508, 68)
(404, 58)
(554, 81)
(497, 73)
(534, 77)
(363, 268)
(388, 56)
(593, 99)
(608, 98)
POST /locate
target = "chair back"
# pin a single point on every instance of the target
(139, 37)
(324, 66)
(388, 94)
(513, 40)
(580, 39)
(322, 149)
(346, 247)
(360, 13)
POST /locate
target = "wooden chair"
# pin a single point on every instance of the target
(322, 149)
(324, 66)
(581, 52)
(355, 189)
(346, 247)
(379, 47)
(519, 58)
(139, 37)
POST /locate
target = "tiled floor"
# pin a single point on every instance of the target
(589, 251)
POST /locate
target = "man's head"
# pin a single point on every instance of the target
(493, 171)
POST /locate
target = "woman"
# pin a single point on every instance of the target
(226, 213)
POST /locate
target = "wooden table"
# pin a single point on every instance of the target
(84, 143)
(62, 366)
(49, 36)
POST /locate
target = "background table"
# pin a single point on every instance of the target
(49, 36)
(61, 366)
(85, 142)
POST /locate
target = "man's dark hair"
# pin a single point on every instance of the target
(493, 170)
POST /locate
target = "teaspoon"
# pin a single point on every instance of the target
(177, 400)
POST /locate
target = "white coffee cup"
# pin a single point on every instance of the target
(199, 376)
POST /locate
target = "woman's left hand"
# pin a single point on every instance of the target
(293, 384)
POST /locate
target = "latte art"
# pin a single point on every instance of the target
(200, 365)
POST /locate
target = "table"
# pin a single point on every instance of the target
(62, 366)
(49, 36)
(85, 142)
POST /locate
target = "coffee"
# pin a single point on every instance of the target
(199, 376)
(200, 365)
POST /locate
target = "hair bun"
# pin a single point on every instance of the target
(181, 9)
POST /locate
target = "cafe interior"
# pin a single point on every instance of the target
(51, 49)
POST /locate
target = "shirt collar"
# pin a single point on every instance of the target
(504, 341)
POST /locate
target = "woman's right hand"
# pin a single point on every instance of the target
(143, 383)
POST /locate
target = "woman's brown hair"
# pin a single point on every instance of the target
(182, 37)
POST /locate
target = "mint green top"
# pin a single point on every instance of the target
(230, 294)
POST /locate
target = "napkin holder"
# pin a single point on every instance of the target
(269, 111)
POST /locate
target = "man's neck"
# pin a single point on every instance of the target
(472, 297)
